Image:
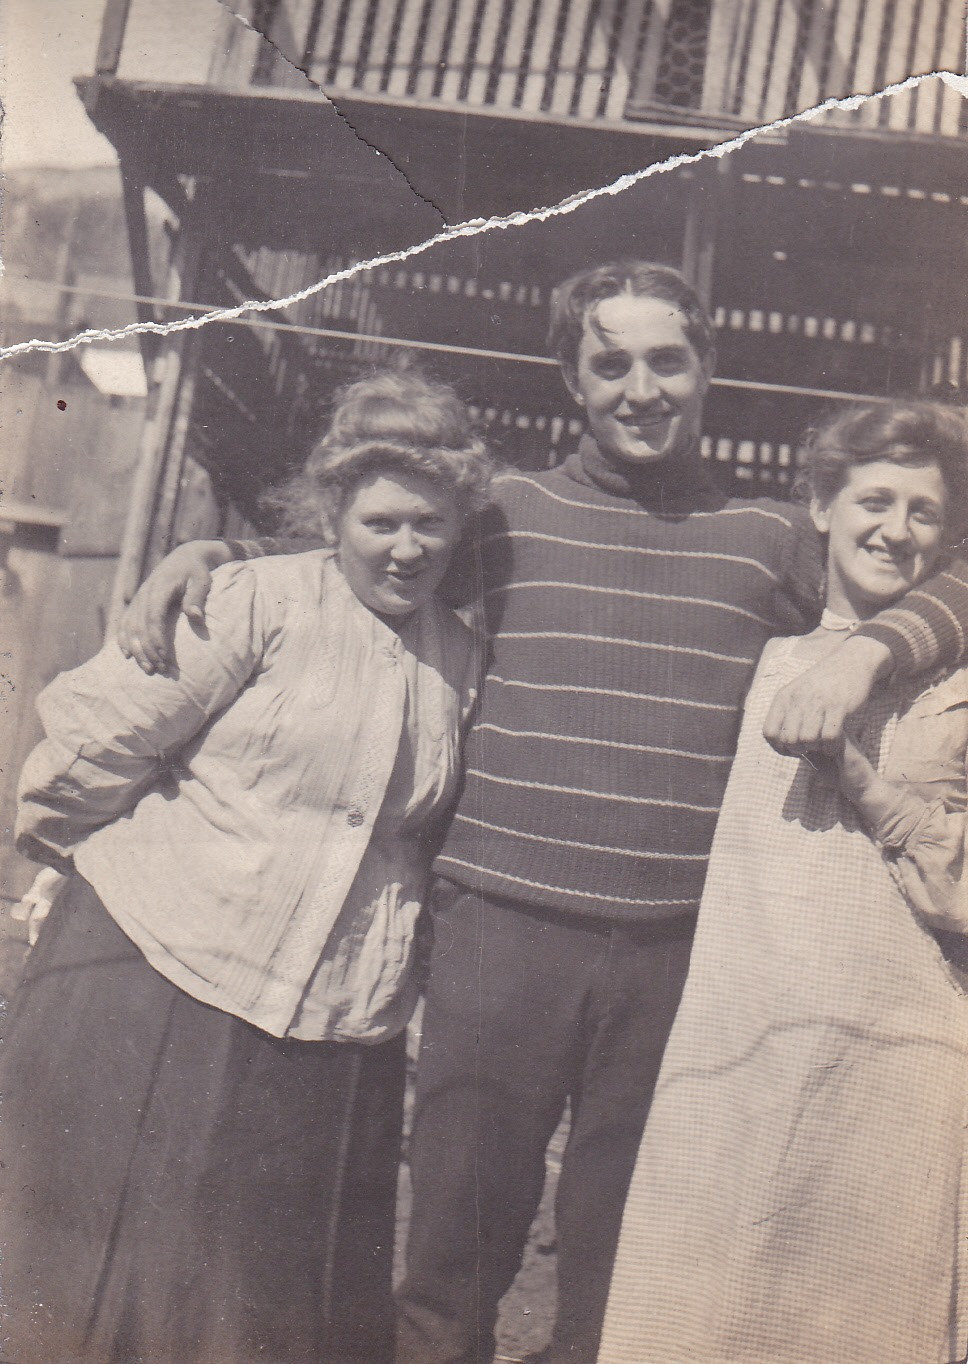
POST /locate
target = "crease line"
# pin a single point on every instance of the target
(478, 226)
(377, 151)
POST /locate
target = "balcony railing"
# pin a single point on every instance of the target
(719, 63)
(706, 61)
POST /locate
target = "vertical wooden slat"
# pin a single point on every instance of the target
(325, 37)
(403, 54)
(724, 23)
(160, 539)
(808, 92)
(757, 63)
(165, 383)
(621, 76)
(951, 112)
(709, 200)
(568, 77)
(845, 23)
(877, 14)
(434, 40)
(742, 19)
(544, 37)
(513, 54)
(298, 17)
(484, 55)
(895, 110)
(566, 16)
(435, 48)
(953, 55)
(133, 189)
(951, 58)
(924, 52)
(379, 52)
(460, 52)
(645, 79)
(368, 34)
(350, 50)
(781, 63)
(311, 36)
(594, 61)
(111, 39)
(614, 22)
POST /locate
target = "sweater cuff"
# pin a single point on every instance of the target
(904, 651)
(271, 545)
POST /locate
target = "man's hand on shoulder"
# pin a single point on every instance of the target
(180, 582)
(808, 715)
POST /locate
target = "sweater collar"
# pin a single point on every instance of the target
(686, 486)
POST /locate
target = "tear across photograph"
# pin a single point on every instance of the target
(484, 682)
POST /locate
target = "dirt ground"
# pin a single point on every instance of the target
(528, 1308)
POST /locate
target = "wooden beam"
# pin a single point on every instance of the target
(165, 404)
(113, 26)
(710, 189)
(133, 186)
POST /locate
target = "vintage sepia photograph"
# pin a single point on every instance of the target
(484, 682)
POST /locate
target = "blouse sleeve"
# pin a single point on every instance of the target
(916, 811)
(925, 842)
(109, 727)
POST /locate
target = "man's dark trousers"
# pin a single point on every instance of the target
(525, 1010)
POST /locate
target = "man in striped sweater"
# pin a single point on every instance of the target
(628, 600)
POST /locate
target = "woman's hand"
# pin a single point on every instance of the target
(38, 901)
(182, 580)
(808, 715)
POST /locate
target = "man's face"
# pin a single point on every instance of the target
(639, 379)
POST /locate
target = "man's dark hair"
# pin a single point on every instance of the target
(573, 300)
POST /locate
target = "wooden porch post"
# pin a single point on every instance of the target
(165, 427)
(710, 193)
(133, 191)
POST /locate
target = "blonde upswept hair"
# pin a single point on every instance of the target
(392, 422)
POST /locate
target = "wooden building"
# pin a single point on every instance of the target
(69, 425)
(833, 251)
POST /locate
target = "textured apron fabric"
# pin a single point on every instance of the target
(800, 1192)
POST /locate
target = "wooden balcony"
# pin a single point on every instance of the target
(717, 64)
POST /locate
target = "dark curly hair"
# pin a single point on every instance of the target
(392, 422)
(903, 432)
(576, 297)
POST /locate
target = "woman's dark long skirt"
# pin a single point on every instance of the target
(178, 1186)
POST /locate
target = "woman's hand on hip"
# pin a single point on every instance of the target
(36, 903)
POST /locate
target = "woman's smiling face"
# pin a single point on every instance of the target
(396, 534)
(885, 530)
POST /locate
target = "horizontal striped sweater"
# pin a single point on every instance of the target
(624, 637)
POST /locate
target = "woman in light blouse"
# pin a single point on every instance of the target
(204, 1072)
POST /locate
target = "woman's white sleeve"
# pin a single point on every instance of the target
(109, 726)
(925, 840)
